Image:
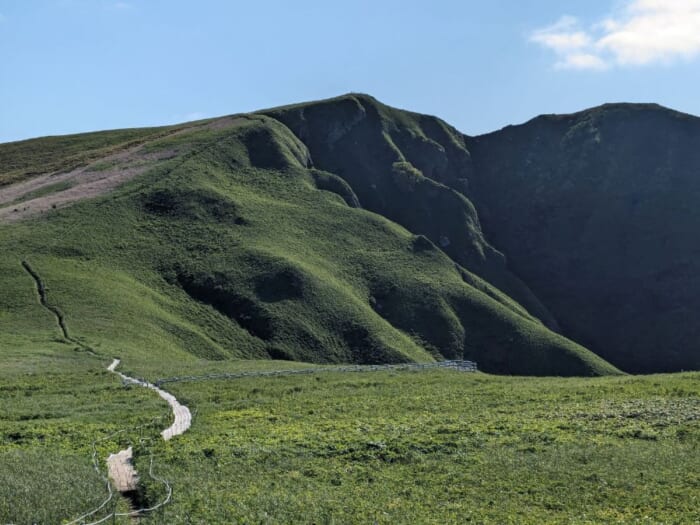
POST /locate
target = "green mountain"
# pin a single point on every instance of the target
(348, 231)
(413, 169)
(598, 213)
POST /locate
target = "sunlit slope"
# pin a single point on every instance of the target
(228, 249)
(23, 159)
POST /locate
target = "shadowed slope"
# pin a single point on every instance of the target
(598, 212)
(413, 169)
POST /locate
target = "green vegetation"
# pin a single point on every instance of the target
(390, 447)
(229, 249)
(55, 404)
(342, 231)
(413, 169)
(23, 159)
(437, 447)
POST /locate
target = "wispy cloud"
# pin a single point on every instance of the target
(563, 36)
(194, 115)
(187, 117)
(121, 5)
(588, 61)
(571, 44)
(642, 32)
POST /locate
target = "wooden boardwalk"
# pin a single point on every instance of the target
(119, 466)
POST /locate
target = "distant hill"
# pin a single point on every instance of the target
(349, 231)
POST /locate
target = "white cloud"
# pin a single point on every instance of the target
(563, 36)
(582, 61)
(121, 5)
(643, 32)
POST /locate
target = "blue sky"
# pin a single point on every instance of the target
(79, 65)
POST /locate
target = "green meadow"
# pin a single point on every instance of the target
(376, 447)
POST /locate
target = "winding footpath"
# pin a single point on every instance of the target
(120, 468)
(181, 414)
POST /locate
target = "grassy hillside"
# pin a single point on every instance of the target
(385, 447)
(23, 159)
(413, 169)
(598, 213)
(229, 246)
(229, 249)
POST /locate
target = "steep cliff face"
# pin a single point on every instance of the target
(413, 169)
(598, 212)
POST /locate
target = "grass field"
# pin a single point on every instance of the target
(439, 447)
(54, 406)
(385, 447)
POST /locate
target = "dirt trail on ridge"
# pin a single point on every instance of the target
(49, 191)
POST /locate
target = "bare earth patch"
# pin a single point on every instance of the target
(18, 201)
(85, 183)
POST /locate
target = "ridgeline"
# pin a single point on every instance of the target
(347, 231)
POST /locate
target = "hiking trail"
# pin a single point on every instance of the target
(120, 468)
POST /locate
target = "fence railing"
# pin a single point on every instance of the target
(462, 366)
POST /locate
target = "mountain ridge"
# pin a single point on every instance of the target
(620, 179)
(415, 170)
